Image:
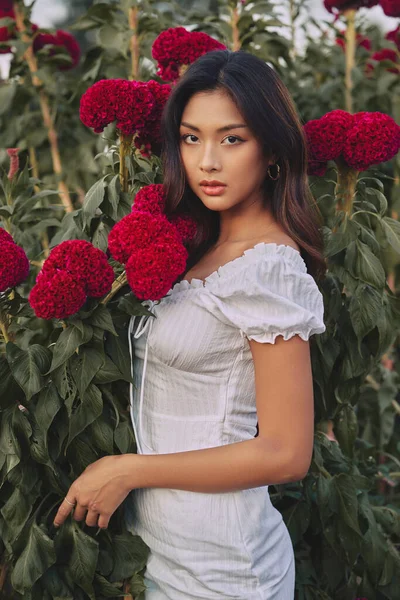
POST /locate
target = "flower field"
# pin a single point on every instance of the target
(87, 232)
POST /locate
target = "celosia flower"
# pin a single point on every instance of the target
(8, 32)
(150, 136)
(373, 138)
(391, 8)
(185, 226)
(60, 39)
(151, 199)
(14, 264)
(325, 136)
(58, 296)
(5, 236)
(361, 41)
(85, 263)
(176, 46)
(6, 4)
(137, 231)
(129, 103)
(384, 54)
(14, 162)
(342, 5)
(394, 36)
(151, 271)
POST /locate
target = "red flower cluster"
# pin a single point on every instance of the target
(6, 4)
(342, 5)
(151, 133)
(14, 264)
(60, 39)
(373, 138)
(136, 107)
(391, 8)
(361, 41)
(74, 270)
(394, 36)
(176, 46)
(151, 248)
(151, 199)
(384, 54)
(6, 33)
(363, 139)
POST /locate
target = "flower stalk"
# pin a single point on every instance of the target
(345, 186)
(44, 107)
(124, 150)
(236, 44)
(350, 52)
(116, 286)
(134, 42)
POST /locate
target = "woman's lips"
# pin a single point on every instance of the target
(213, 190)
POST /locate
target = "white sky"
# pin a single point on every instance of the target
(45, 12)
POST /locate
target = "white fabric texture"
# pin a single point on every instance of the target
(194, 388)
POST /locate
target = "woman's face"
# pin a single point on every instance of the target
(216, 144)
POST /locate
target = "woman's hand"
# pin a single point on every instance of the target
(101, 488)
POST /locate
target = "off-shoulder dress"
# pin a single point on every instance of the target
(195, 388)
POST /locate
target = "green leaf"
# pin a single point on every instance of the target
(102, 318)
(118, 350)
(365, 307)
(38, 556)
(391, 230)
(69, 340)
(28, 366)
(123, 437)
(108, 372)
(93, 199)
(130, 555)
(105, 589)
(84, 366)
(9, 390)
(364, 265)
(48, 405)
(83, 560)
(16, 512)
(89, 410)
(113, 190)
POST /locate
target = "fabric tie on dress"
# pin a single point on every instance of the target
(146, 322)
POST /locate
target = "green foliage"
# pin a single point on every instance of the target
(64, 385)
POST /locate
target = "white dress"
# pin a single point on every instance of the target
(195, 388)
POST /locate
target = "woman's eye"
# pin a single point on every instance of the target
(187, 135)
(234, 137)
(230, 137)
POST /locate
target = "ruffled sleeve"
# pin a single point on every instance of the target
(268, 292)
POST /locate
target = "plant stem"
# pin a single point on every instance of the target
(350, 52)
(134, 42)
(236, 44)
(3, 329)
(124, 149)
(345, 186)
(45, 108)
(116, 286)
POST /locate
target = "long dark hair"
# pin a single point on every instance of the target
(266, 106)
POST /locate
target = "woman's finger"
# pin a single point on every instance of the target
(92, 518)
(80, 512)
(65, 509)
(104, 519)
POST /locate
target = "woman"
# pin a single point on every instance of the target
(223, 400)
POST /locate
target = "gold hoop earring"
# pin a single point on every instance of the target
(278, 170)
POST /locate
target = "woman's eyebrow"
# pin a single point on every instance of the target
(224, 128)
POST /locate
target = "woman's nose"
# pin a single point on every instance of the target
(210, 159)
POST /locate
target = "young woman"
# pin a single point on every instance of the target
(223, 399)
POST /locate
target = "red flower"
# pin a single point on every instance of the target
(152, 271)
(137, 231)
(60, 39)
(129, 103)
(394, 36)
(361, 41)
(150, 135)
(384, 54)
(316, 168)
(185, 226)
(6, 4)
(58, 296)
(342, 5)
(325, 136)
(151, 199)
(176, 46)
(391, 8)
(5, 236)
(374, 138)
(85, 263)
(8, 32)
(14, 264)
